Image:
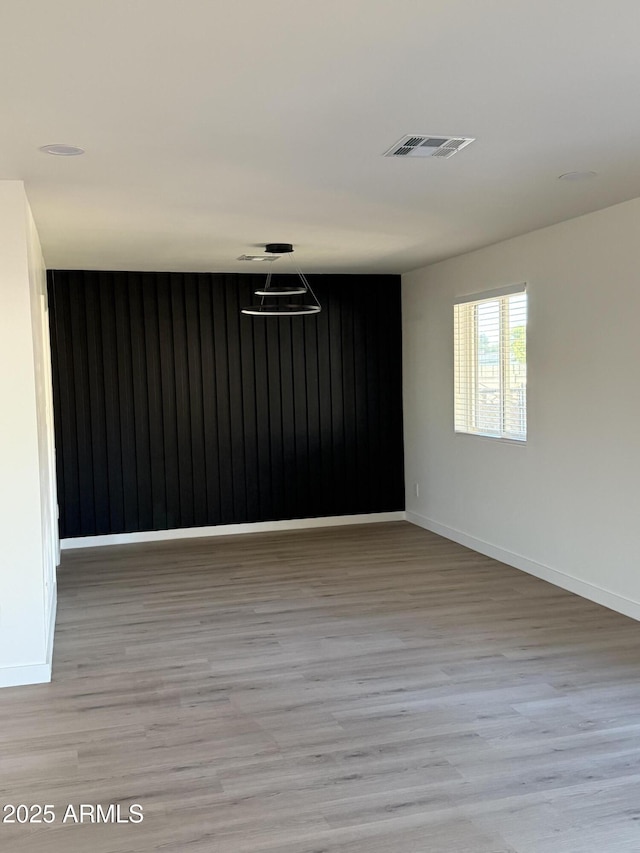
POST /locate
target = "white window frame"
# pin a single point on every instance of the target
(466, 347)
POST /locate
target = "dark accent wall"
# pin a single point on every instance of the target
(173, 409)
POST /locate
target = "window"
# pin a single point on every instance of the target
(491, 363)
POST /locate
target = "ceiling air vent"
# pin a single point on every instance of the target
(267, 258)
(428, 146)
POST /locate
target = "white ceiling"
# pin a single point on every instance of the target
(213, 127)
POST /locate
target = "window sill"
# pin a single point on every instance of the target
(512, 442)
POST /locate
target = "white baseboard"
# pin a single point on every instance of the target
(229, 529)
(19, 676)
(36, 673)
(612, 600)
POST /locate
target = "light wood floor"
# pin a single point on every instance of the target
(374, 689)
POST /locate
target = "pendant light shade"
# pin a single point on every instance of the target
(271, 295)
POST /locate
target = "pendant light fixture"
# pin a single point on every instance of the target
(284, 300)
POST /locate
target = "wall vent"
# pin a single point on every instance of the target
(428, 146)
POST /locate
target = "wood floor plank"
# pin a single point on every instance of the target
(371, 689)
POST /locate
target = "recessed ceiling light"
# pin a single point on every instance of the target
(62, 150)
(258, 258)
(577, 176)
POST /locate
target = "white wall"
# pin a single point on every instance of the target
(28, 523)
(567, 505)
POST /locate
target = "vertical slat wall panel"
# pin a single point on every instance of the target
(95, 351)
(172, 409)
(80, 377)
(140, 383)
(124, 359)
(275, 424)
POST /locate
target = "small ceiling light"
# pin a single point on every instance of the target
(59, 150)
(577, 176)
(270, 295)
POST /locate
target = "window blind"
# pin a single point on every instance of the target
(490, 356)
